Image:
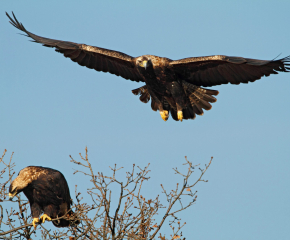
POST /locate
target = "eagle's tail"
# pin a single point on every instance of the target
(71, 220)
(197, 99)
(200, 98)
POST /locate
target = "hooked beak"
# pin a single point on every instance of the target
(144, 64)
(11, 196)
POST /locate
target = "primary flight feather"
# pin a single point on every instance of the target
(174, 86)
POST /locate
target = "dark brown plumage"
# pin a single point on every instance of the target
(172, 86)
(47, 192)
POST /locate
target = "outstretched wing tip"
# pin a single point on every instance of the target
(15, 23)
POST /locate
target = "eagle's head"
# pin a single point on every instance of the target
(20, 182)
(143, 61)
(13, 190)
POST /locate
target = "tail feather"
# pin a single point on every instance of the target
(203, 94)
(199, 97)
(154, 105)
(165, 104)
(208, 98)
(174, 114)
(195, 100)
(136, 91)
(188, 113)
(143, 92)
(61, 223)
(211, 92)
(71, 220)
(145, 97)
(195, 104)
(197, 109)
(204, 104)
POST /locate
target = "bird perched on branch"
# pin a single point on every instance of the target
(174, 86)
(47, 191)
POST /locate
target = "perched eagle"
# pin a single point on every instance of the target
(47, 192)
(174, 86)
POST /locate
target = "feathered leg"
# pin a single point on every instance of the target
(156, 103)
(179, 112)
(179, 98)
(35, 212)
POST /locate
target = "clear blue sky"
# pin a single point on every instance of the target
(52, 108)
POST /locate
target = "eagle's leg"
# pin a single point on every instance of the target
(35, 212)
(35, 221)
(45, 217)
(145, 92)
(163, 113)
(179, 113)
(178, 95)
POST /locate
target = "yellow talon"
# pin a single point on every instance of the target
(180, 116)
(34, 221)
(45, 217)
(164, 115)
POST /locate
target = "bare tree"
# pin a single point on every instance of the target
(134, 217)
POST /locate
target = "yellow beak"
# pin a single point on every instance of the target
(144, 64)
(11, 196)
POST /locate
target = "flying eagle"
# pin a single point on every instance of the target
(47, 192)
(174, 86)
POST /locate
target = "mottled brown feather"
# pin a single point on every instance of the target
(46, 190)
(219, 69)
(170, 85)
(107, 60)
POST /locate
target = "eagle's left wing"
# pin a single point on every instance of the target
(219, 69)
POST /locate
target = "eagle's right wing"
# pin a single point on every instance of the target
(96, 58)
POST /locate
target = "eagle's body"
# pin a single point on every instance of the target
(47, 192)
(174, 86)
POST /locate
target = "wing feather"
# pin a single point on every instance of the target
(219, 69)
(100, 59)
(56, 183)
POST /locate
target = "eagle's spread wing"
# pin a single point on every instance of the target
(96, 58)
(219, 69)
